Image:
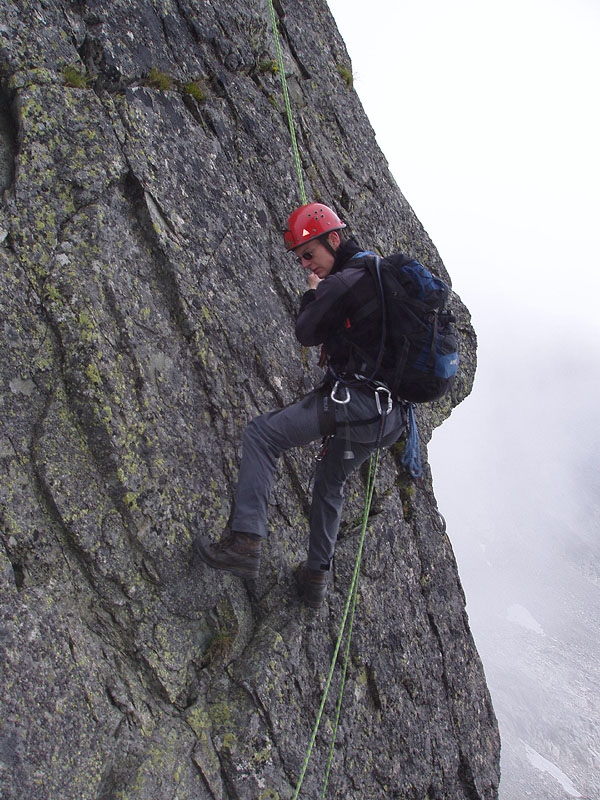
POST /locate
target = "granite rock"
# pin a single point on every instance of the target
(147, 307)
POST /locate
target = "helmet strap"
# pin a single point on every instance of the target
(324, 241)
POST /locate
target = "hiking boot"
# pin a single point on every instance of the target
(235, 552)
(312, 585)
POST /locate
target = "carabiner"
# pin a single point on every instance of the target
(333, 393)
(390, 403)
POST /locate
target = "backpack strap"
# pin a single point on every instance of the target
(364, 254)
(374, 267)
(373, 305)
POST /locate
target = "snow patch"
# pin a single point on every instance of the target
(524, 618)
(539, 762)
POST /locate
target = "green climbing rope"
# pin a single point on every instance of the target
(288, 106)
(348, 613)
(352, 600)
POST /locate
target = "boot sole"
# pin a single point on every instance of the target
(314, 605)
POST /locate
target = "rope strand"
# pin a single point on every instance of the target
(373, 465)
(350, 607)
(348, 612)
(288, 105)
(411, 458)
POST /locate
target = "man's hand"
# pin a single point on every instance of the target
(313, 280)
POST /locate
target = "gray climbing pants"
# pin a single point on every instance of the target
(269, 435)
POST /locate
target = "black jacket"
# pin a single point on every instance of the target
(330, 315)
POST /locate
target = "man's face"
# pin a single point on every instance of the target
(317, 258)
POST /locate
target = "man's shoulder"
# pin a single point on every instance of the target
(349, 276)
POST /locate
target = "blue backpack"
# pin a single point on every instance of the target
(418, 355)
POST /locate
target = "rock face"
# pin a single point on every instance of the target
(147, 307)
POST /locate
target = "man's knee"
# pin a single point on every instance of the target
(262, 435)
(257, 430)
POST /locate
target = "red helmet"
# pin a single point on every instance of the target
(309, 222)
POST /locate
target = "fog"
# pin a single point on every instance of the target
(489, 118)
(516, 476)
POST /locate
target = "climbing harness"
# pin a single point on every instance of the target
(288, 106)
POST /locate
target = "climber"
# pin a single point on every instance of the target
(352, 413)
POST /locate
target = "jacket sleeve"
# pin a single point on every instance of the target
(321, 311)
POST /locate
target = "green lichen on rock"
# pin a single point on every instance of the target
(76, 78)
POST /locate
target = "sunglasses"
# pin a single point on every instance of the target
(306, 256)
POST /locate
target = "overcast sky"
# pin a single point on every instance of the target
(489, 116)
